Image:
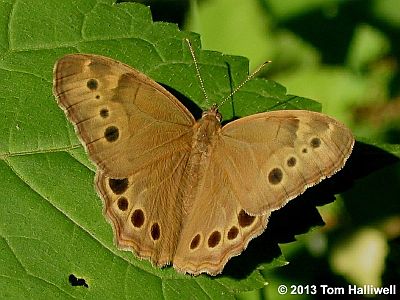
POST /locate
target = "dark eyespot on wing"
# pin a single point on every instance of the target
(315, 142)
(214, 239)
(195, 242)
(137, 218)
(233, 233)
(118, 186)
(275, 176)
(291, 162)
(122, 203)
(155, 231)
(245, 219)
(92, 84)
(111, 134)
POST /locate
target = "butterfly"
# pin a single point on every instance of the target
(186, 192)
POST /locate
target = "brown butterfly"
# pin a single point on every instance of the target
(191, 193)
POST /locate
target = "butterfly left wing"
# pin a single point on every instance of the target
(273, 157)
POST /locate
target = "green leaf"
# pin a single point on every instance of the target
(52, 224)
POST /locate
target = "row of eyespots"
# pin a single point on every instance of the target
(314, 143)
(138, 219)
(119, 186)
(111, 134)
(93, 84)
(275, 176)
(215, 237)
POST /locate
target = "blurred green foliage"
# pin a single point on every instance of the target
(344, 54)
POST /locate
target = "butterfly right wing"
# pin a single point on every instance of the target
(125, 119)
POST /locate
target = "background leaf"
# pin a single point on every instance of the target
(52, 229)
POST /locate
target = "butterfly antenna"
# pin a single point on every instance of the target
(198, 71)
(244, 82)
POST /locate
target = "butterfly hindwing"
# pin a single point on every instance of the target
(215, 227)
(145, 208)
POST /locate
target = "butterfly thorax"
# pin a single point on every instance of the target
(205, 130)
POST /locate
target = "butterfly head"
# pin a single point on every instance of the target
(212, 112)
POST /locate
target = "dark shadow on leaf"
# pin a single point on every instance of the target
(195, 110)
(391, 273)
(366, 159)
(375, 197)
(301, 214)
(392, 135)
(309, 270)
(188, 103)
(165, 11)
(224, 122)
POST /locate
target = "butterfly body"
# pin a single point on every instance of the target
(191, 193)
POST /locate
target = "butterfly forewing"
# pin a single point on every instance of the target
(119, 113)
(286, 152)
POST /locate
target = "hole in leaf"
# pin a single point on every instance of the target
(74, 281)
